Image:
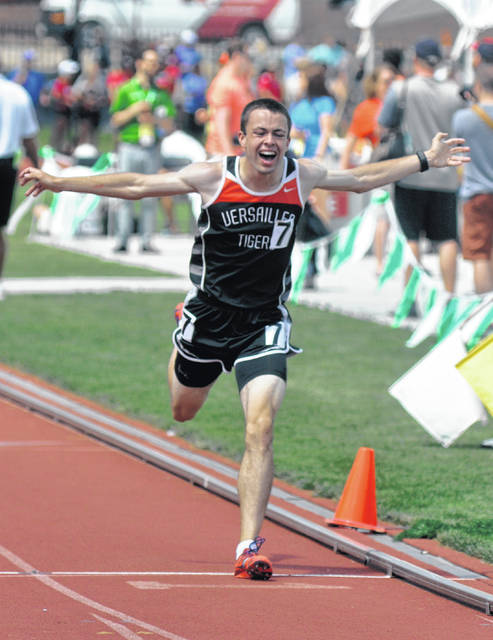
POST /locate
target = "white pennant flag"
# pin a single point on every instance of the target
(435, 394)
(429, 324)
(366, 234)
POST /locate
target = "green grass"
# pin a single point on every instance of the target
(27, 259)
(114, 349)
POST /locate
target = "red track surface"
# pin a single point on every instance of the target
(95, 544)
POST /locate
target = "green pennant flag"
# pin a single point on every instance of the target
(90, 201)
(408, 297)
(344, 252)
(300, 279)
(102, 163)
(447, 320)
(452, 317)
(430, 303)
(46, 151)
(54, 202)
(334, 250)
(380, 196)
(394, 260)
(463, 315)
(481, 329)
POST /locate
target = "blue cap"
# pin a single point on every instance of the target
(485, 49)
(429, 51)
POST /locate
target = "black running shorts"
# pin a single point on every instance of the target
(7, 185)
(213, 338)
(431, 212)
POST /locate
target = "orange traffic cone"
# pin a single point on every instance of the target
(358, 506)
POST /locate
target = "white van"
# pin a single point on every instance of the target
(276, 21)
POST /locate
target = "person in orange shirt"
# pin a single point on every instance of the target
(229, 92)
(363, 135)
(363, 129)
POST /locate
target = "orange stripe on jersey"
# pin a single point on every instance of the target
(233, 192)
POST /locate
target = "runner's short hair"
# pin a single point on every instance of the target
(264, 103)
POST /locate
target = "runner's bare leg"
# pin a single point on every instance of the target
(185, 401)
(261, 399)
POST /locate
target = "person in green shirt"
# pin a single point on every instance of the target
(142, 114)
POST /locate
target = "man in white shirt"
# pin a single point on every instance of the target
(18, 127)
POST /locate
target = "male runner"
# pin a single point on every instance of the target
(240, 268)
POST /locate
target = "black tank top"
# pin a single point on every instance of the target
(242, 251)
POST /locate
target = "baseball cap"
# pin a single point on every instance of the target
(68, 67)
(429, 51)
(485, 49)
(189, 37)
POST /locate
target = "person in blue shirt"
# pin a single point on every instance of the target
(291, 57)
(26, 76)
(194, 87)
(313, 118)
(313, 115)
(186, 52)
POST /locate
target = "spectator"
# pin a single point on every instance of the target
(99, 48)
(142, 113)
(362, 136)
(25, 75)
(19, 128)
(477, 184)
(427, 204)
(483, 52)
(331, 53)
(186, 51)
(268, 85)
(116, 77)
(170, 71)
(59, 97)
(312, 118)
(228, 93)
(90, 100)
(193, 90)
(188, 88)
(291, 56)
(394, 58)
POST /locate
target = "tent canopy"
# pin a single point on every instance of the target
(473, 16)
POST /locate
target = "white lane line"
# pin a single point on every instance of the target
(234, 585)
(75, 574)
(123, 631)
(70, 593)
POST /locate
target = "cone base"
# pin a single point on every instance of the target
(337, 522)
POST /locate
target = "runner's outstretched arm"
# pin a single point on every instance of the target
(443, 152)
(130, 186)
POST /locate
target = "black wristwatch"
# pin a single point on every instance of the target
(423, 161)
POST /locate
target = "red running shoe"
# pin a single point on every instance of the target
(178, 312)
(252, 566)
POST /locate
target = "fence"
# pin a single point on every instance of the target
(15, 39)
